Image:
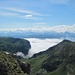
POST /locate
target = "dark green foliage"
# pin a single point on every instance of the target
(9, 65)
(14, 45)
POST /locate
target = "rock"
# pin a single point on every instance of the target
(24, 66)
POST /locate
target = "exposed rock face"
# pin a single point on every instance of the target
(24, 66)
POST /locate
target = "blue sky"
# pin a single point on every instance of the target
(36, 13)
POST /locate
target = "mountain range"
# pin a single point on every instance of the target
(37, 34)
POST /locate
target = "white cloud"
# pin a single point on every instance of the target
(21, 13)
(38, 45)
(20, 54)
(59, 1)
(11, 14)
(28, 16)
(63, 28)
(28, 12)
(59, 28)
(8, 14)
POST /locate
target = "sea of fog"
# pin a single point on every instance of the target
(38, 45)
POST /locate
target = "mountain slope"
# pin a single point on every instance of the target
(9, 65)
(14, 45)
(57, 60)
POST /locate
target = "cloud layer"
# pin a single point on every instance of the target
(59, 28)
(20, 13)
(38, 45)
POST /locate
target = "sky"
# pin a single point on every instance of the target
(37, 13)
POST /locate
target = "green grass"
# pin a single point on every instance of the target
(60, 71)
(59, 60)
(36, 63)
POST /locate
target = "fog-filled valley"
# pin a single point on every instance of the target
(38, 45)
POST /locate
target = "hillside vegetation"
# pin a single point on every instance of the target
(13, 45)
(57, 60)
(9, 65)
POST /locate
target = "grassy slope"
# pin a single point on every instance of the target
(36, 64)
(64, 52)
(36, 67)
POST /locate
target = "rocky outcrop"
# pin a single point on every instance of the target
(24, 66)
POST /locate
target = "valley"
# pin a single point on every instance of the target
(58, 58)
(39, 45)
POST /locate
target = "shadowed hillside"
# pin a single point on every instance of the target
(13, 45)
(57, 60)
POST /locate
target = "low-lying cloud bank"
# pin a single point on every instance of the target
(38, 45)
(58, 28)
